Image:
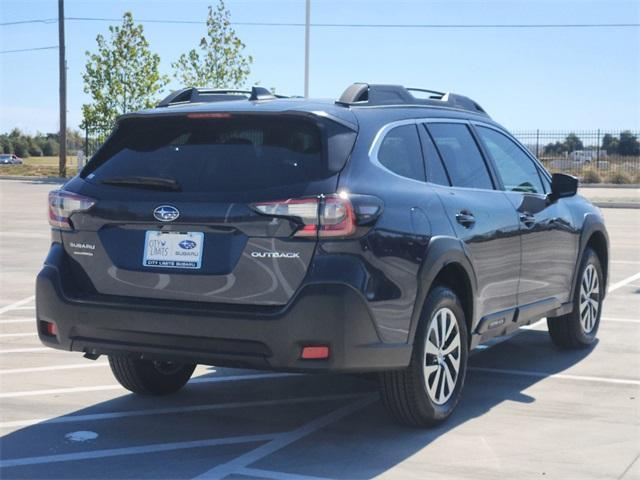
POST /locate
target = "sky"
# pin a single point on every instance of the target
(547, 79)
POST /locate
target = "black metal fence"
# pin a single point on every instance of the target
(94, 136)
(594, 156)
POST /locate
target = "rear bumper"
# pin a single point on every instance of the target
(320, 314)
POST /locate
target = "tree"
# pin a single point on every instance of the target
(628, 144)
(220, 62)
(610, 144)
(554, 148)
(122, 76)
(573, 143)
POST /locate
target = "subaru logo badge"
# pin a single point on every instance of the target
(166, 213)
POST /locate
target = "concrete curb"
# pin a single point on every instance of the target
(609, 185)
(616, 205)
(33, 178)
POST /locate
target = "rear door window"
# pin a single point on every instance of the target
(461, 156)
(237, 153)
(400, 152)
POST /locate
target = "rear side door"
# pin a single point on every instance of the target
(549, 239)
(482, 217)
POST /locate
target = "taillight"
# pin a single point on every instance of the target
(62, 204)
(337, 218)
(327, 216)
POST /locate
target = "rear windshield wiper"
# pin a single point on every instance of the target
(157, 183)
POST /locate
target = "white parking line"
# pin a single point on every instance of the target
(28, 307)
(624, 282)
(17, 320)
(99, 388)
(32, 350)
(527, 373)
(621, 320)
(170, 410)
(140, 450)
(259, 473)
(281, 441)
(54, 368)
(11, 335)
(17, 304)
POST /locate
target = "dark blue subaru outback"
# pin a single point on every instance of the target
(390, 231)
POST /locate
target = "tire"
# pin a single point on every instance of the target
(146, 377)
(578, 329)
(414, 396)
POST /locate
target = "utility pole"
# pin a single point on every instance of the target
(62, 137)
(307, 27)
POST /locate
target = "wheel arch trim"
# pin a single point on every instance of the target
(442, 252)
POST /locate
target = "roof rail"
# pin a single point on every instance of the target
(363, 94)
(206, 95)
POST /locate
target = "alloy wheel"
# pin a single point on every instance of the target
(442, 356)
(589, 298)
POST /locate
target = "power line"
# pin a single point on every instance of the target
(22, 22)
(345, 25)
(29, 49)
(380, 25)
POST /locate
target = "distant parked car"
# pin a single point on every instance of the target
(10, 159)
(586, 156)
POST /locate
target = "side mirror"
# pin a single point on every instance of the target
(562, 186)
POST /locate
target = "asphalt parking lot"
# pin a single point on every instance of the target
(528, 410)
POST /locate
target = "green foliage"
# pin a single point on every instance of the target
(628, 144)
(610, 144)
(39, 144)
(570, 144)
(573, 143)
(220, 62)
(554, 148)
(122, 76)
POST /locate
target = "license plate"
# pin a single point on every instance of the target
(173, 249)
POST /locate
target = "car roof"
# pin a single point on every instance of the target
(350, 115)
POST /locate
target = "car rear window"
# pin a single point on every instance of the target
(232, 153)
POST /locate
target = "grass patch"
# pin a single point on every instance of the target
(39, 167)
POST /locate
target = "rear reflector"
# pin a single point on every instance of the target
(315, 353)
(62, 204)
(50, 328)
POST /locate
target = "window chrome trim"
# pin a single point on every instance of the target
(377, 143)
(382, 133)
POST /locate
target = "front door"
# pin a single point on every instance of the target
(549, 239)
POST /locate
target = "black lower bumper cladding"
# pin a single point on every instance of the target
(272, 338)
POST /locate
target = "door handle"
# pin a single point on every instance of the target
(528, 219)
(465, 218)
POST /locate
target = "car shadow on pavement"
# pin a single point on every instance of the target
(362, 445)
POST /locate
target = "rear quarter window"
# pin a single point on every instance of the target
(400, 152)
